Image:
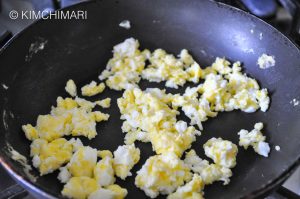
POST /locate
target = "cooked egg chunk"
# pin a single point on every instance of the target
(223, 152)
(92, 89)
(30, 132)
(225, 89)
(266, 61)
(208, 172)
(198, 110)
(64, 175)
(71, 88)
(104, 153)
(124, 69)
(84, 124)
(162, 174)
(70, 117)
(256, 139)
(191, 190)
(83, 162)
(49, 156)
(148, 117)
(166, 67)
(80, 187)
(105, 103)
(125, 157)
(110, 192)
(165, 141)
(104, 172)
(51, 127)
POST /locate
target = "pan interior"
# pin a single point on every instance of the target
(79, 50)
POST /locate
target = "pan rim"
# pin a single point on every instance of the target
(22, 180)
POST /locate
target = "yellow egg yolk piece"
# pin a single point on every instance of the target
(162, 174)
(49, 156)
(80, 187)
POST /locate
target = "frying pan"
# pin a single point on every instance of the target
(79, 49)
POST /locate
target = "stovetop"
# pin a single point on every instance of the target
(271, 11)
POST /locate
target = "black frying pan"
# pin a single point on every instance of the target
(79, 49)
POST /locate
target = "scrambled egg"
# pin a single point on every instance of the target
(92, 89)
(80, 187)
(124, 69)
(82, 170)
(125, 157)
(266, 61)
(87, 188)
(71, 88)
(197, 109)
(83, 162)
(110, 192)
(191, 190)
(162, 174)
(148, 117)
(165, 67)
(256, 139)
(70, 117)
(223, 152)
(208, 172)
(104, 171)
(225, 88)
(231, 89)
(105, 103)
(49, 156)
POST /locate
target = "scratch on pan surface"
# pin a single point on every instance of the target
(203, 52)
(4, 86)
(11, 114)
(16, 156)
(156, 21)
(4, 118)
(35, 48)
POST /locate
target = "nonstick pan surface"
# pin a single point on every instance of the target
(79, 50)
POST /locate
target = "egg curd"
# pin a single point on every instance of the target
(103, 171)
(84, 170)
(208, 172)
(191, 190)
(49, 156)
(256, 139)
(148, 117)
(85, 187)
(162, 174)
(71, 88)
(175, 71)
(125, 68)
(110, 192)
(92, 89)
(125, 157)
(223, 152)
(70, 117)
